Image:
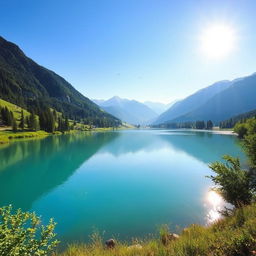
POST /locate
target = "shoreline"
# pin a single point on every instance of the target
(7, 136)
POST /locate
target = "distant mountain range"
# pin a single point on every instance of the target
(33, 87)
(130, 111)
(158, 107)
(217, 102)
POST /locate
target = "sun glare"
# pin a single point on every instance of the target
(218, 41)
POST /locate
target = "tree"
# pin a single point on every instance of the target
(232, 182)
(240, 129)
(47, 120)
(22, 121)
(250, 149)
(22, 234)
(14, 126)
(209, 125)
(32, 122)
(66, 124)
(200, 125)
(7, 116)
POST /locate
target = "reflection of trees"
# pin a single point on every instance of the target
(41, 165)
(205, 146)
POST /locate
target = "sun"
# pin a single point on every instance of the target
(218, 41)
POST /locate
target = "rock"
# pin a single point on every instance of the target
(166, 238)
(135, 246)
(111, 243)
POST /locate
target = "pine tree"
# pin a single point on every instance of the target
(22, 121)
(14, 126)
(32, 122)
(209, 125)
(66, 124)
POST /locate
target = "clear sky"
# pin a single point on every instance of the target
(136, 49)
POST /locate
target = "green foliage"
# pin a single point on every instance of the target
(22, 121)
(47, 120)
(14, 126)
(6, 116)
(209, 125)
(250, 148)
(33, 122)
(230, 123)
(200, 125)
(22, 234)
(247, 131)
(240, 129)
(233, 182)
(187, 125)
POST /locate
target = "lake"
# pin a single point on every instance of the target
(124, 184)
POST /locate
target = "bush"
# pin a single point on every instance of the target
(232, 182)
(240, 129)
(22, 234)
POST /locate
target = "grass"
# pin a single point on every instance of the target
(6, 136)
(14, 108)
(235, 235)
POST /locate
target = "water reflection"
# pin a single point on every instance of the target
(214, 204)
(30, 169)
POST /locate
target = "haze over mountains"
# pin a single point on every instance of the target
(129, 111)
(159, 107)
(217, 102)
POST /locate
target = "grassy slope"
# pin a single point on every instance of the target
(14, 108)
(234, 235)
(6, 134)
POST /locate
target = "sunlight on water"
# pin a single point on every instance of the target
(215, 203)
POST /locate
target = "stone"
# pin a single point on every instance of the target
(111, 243)
(135, 246)
(166, 238)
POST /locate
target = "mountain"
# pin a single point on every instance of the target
(159, 107)
(238, 98)
(29, 85)
(130, 111)
(192, 102)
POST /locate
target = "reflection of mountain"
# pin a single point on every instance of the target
(132, 142)
(44, 165)
(204, 146)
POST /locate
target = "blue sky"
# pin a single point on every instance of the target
(137, 49)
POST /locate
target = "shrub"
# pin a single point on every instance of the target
(232, 182)
(22, 234)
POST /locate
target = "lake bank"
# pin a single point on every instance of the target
(6, 136)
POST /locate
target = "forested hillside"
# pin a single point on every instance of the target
(35, 88)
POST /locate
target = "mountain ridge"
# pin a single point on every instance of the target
(32, 86)
(192, 101)
(130, 111)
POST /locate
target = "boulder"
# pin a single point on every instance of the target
(135, 246)
(166, 238)
(111, 243)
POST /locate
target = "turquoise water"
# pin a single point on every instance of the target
(122, 183)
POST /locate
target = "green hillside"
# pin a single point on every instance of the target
(14, 108)
(230, 123)
(33, 87)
